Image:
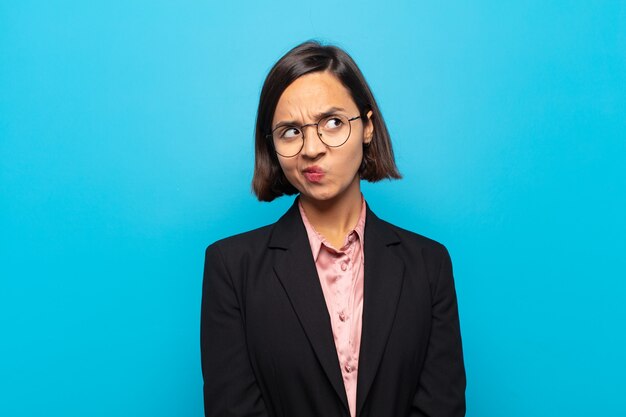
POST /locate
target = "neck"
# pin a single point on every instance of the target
(336, 217)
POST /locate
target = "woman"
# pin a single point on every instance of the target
(330, 311)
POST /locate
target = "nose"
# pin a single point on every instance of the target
(313, 146)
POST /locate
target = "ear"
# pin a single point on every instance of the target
(368, 128)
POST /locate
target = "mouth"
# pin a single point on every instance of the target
(313, 174)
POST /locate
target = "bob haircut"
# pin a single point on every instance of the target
(378, 162)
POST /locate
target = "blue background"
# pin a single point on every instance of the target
(126, 147)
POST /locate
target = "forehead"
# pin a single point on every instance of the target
(312, 94)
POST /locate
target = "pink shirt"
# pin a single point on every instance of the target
(341, 275)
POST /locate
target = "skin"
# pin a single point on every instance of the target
(333, 202)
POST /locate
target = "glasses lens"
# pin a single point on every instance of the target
(334, 130)
(287, 140)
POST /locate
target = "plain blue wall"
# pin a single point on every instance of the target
(126, 148)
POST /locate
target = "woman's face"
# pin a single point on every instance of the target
(319, 172)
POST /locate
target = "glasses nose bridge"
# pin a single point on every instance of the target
(307, 125)
(312, 147)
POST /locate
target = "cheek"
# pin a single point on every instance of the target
(354, 158)
(288, 167)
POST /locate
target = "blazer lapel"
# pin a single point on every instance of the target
(383, 278)
(296, 271)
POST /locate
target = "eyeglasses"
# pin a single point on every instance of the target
(333, 130)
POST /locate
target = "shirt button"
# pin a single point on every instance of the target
(344, 266)
(342, 316)
(348, 368)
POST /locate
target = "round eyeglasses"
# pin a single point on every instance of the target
(333, 131)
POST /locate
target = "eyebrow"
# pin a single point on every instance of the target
(317, 117)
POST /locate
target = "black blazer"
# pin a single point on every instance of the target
(266, 338)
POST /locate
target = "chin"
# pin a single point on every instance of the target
(317, 196)
(320, 195)
(311, 193)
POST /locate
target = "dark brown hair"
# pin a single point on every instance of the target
(378, 162)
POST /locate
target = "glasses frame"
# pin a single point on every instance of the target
(317, 130)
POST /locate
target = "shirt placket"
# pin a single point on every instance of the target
(345, 303)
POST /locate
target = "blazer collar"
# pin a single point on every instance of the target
(383, 276)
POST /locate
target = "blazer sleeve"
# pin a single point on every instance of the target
(441, 390)
(230, 387)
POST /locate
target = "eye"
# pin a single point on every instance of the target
(288, 132)
(332, 122)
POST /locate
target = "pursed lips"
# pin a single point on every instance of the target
(313, 174)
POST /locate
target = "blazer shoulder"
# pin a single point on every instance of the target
(416, 246)
(243, 242)
(433, 255)
(416, 240)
